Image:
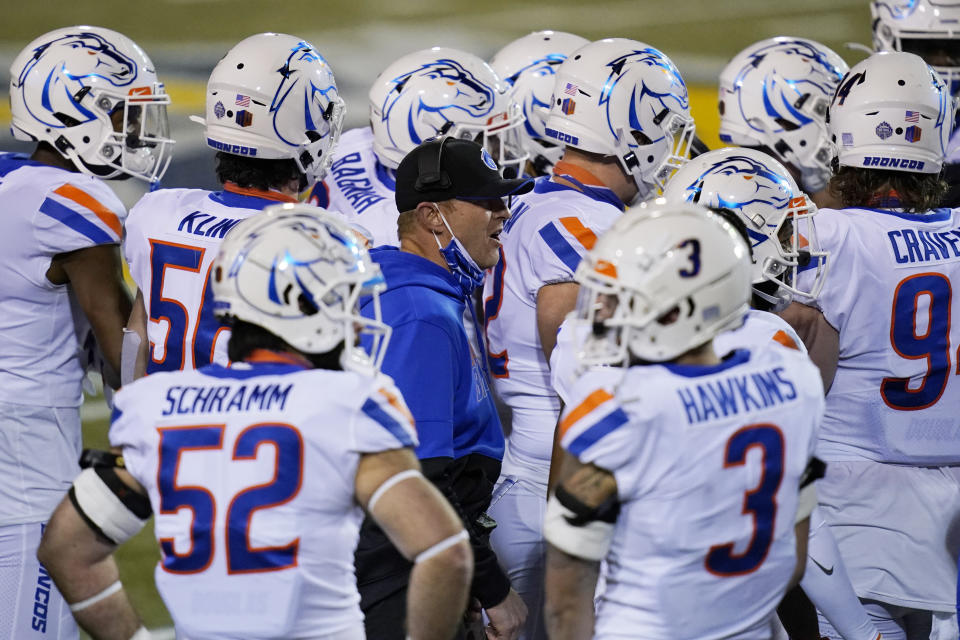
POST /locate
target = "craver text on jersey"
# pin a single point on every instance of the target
(204, 224)
(914, 245)
(359, 191)
(734, 394)
(226, 398)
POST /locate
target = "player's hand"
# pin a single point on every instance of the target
(507, 618)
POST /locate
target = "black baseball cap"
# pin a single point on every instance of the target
(449, 168)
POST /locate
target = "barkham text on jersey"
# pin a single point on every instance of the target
(204, 224)
(225, 398)
(359, 191)
(913, 245)
(732, 395)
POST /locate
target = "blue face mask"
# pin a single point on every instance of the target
(468, 273)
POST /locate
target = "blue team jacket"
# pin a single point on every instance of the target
(430, 359)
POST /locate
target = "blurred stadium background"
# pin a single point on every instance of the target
(185, 38)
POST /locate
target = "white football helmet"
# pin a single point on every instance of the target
(892, 111)
(67, 86)
(775, 94)
(442, 91)
(298, 272)
(529, 65)
(928, 28)
(273, 96)
(664, 279)
(623, 98)
(777, 215)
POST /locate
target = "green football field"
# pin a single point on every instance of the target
(359, 37)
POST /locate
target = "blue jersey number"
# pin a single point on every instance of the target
(242, 557)
(169, 255)
(932, 345)
(760, 502)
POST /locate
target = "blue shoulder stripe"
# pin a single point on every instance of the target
(559, 245)
(588, 438)
(75, 221)
(378, 415)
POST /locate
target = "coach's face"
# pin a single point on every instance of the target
(477, 224)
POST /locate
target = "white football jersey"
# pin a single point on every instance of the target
(889, 293)
(759, 329)
(360, 189)
(173, 236)
(550, 229)
(46, 211)
(251, 474)
(708, 461)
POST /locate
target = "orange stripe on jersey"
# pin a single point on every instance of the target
(591, 402)
(784, 339)
(396, 404)
(583, 235)
(87, 201)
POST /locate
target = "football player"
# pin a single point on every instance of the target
(529, 66)
(621, 110)
(690, 474)
(90, 99)
(774, 96)
(880, 331)
(258, 474)
(931, 30)
(273, 114)
(425, 94)
(764, 203)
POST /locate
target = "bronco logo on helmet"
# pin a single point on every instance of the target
(58, 91)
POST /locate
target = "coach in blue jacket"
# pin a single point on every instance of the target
(451, 198)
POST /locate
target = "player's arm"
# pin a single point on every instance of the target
(104, 508)
(579, 529)
(96, 277)
(426, 530)
(134, 352)
(806, 502)
(554, 302)
(821, 339)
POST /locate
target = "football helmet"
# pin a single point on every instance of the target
(664, 279)
(298, 272)
(775, 94)
(442, 91)
(891, 111)
(623, 98)
(68, 86)
(273, 96)
(928, 28)
(777, 215)
(529, 65)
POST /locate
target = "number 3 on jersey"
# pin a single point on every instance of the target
(165, 306)
(240, 555)
(760, 502)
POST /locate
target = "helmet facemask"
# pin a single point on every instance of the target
(638, 159)
(501, 136)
